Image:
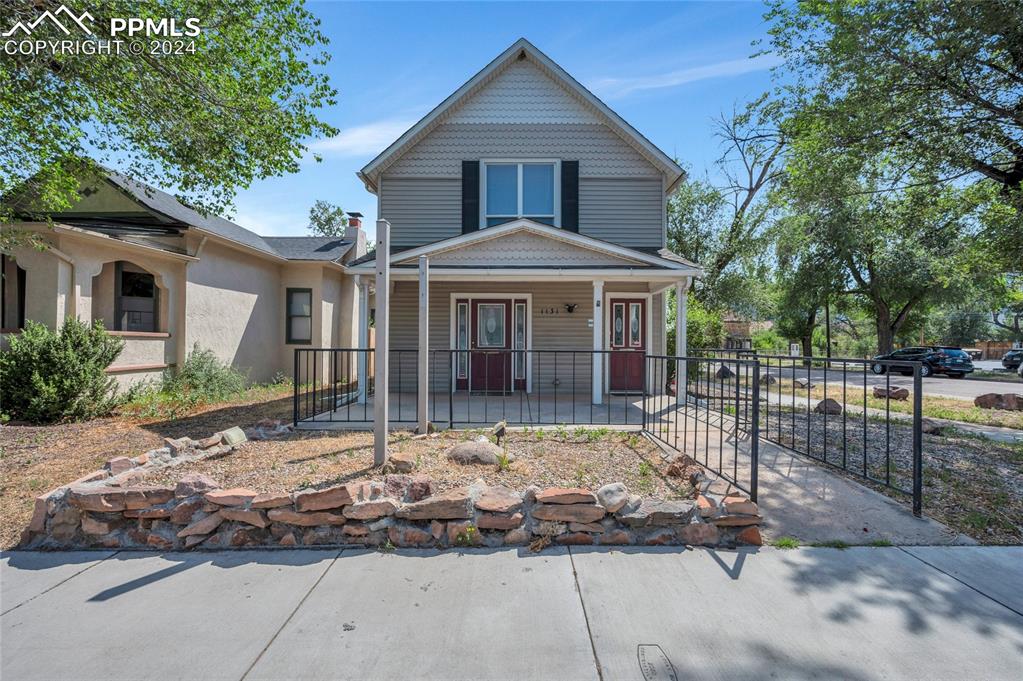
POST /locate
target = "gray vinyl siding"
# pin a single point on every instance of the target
(625, 211)
(421, 210)
(560, 331)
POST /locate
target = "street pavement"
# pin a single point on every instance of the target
(633, 613)
(938, 386)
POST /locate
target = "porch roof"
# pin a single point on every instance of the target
(527, 248)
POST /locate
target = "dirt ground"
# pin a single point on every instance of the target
(35, 459)
(554, 457)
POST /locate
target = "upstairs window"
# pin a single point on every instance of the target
(520, 190)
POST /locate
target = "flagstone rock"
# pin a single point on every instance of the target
(288, 540)
(266, 500)
(574, 539)
(100, 499)
(253, 517)
(549, 528)
(203, 526)
(308, 519)
(463, 533)
(158, 542)
(153, 513)
(617, 537)
(498, 521)
(652, 512)
(323, 499)
(613, 496)
(736, 520)
(751, 536)
(740, 505)
(408, 536)
(420, 488)
(402, 462)
(355, 530)
(566, 495)
(699, 534)
(91, 525)
(453, 504)
(579, 513)
(660, 537)
(706, 506)
(519, 535)
(183, 512)
(585, 527)
(195, 483)
(119, 464)
(136, 498)
(370, 510)
(804, 383)
(499, 500)
(236, 496)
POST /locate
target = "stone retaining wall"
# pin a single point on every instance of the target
(108, 509)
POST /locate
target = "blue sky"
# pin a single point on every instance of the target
(667, 68)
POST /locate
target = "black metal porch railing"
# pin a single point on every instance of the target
(839, 411)
(470, 387)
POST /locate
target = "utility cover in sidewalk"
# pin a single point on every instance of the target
(654, 664)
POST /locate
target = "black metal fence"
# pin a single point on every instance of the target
(708, 414)
(843, 413)
(713, 406)
(469, 387)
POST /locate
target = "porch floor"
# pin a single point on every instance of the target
(466, 410)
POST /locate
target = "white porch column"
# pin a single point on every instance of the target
(423, 381)
(681, 310)
(381, 395)
(363, 340)
(598, 341)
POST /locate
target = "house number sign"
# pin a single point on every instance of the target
(546, 311)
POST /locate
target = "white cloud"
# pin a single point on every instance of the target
(620, 87)
(362, 140)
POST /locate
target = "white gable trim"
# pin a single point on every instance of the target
(521, 46)
(523, 225)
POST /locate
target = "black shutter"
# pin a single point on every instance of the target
(570, 195)
(470, 196)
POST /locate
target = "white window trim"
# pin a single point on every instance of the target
(519, 161)
(528, 297)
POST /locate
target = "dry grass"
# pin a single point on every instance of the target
(933, 407)
(35, 459)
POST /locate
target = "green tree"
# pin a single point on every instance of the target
(725, 227)
(907, 91)
(898, 253)
(238, 109)
(326, 219)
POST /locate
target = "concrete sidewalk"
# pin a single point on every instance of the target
(861, 613)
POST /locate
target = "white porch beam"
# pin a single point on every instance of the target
(363, 357)
(380, 399)
(423, 384)
(598, 341)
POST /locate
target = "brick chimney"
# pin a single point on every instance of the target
(355, 232)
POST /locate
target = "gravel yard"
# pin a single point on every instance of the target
(971, 484)
(544, 457)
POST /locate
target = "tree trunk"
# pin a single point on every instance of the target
(807, 346)
(885, 334)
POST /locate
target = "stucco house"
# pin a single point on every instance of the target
(165, 278)
(543, 217)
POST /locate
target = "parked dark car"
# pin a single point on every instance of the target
(953, 362)
(1012, 359)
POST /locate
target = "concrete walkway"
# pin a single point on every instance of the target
(635, 614)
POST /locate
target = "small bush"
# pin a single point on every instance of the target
(49, 376)
(203, 377)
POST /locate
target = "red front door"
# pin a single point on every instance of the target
(490, 363)
(628, 344)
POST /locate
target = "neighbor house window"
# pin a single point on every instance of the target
(463, 339)
(300, 315)
(520, 190)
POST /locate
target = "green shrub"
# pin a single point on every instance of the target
(48, 376)
(202, 379)
(205, 378)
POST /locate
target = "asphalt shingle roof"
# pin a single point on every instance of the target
(326, 248)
